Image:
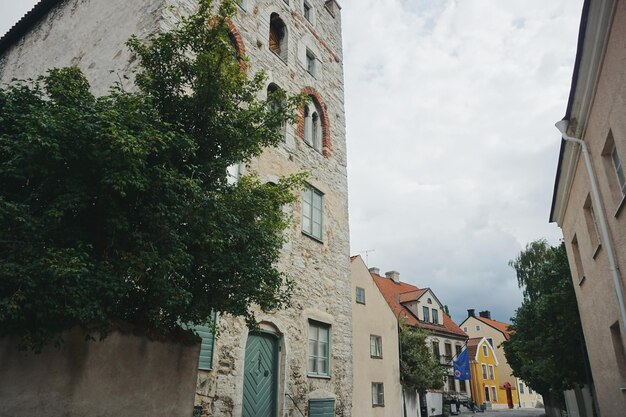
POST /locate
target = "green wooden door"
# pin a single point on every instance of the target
(260, 376)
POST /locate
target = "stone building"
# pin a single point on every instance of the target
(301, 361)
(590, 194)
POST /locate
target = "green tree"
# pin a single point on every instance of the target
(419, 369)
(118, 208)
(546, 348)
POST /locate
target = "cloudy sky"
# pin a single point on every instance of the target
(452, 148)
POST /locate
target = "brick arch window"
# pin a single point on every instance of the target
(278, 36)
(313, 124)
(236, 41)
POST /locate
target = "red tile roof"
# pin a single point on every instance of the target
(472, 346)
(397, 294)
(498, 325)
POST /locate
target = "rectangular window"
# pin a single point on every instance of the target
(494, 395)
(487, 394)
(426, 312)
(491, 376)
(592, 226)
(484, 371)
(485, 351)
(530, 390)
(376, 346)
(360, 295)
(477, 327)
(448, 349)
(435, 316)
(462, 385)
(490, 341)
(619, 170)
(310, 62)
(378, 394)
(451, 387)
(319, 349)
(307, 11)
(436, 350)
(459, 349)
(521, 388)
(312, 203)
(577, 261)
(618, 348)
(322, 408)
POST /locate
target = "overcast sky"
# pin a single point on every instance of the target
(452, 149)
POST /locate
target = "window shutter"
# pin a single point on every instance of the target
(206, 347)
(322, 408)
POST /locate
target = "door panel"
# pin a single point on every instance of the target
(260, 376)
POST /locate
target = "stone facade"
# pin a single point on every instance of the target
(596, 114)
(91, 35)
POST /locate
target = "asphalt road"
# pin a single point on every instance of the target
(528, 412)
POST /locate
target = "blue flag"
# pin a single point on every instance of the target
(461, 366)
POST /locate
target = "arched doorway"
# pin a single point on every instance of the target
(260, 380)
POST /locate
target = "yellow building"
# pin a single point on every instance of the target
(485, 386)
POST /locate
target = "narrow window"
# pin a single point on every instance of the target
(426, 312)
(494, 395)
(205, 361)
(490, 341)
(487, 394)
(376, 346)
(378, 394)
(484, 368)
(477, 327)
(310, 62)
(485, 350)
(448, 349)
(618, 348)
(577, 261)
(451, 386)
(312, 205)
(459, 349)
(276, 103)
(233, 173)
(619, 170)
(462, 386)
(530, 390)
(312, 127)
(307, 11)
(614, 171)
(592, 226)
(491, 376)
(360, 295)
(278, 36)
(436, 352)
(521, 388)
(435, 316)
(319, 349)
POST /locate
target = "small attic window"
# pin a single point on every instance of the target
(429, 301)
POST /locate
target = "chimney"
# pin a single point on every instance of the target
(471, 312)
(394, 276)
(485, 314)
(375, 270)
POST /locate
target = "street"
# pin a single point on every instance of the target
(526, 412)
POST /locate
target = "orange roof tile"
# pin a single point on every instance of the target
(398, 293)
(472, 346)
(498, 325)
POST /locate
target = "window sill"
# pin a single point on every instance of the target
(318, 376)
(582, 281)
(596, 251)
(360, 302)
(621, 205)
(318, 240)
(377, 405)
(284, 61)
(376, 357)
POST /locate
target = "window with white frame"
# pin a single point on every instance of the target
(435, 316)
(491, 375)
(360, 295)
(312, 212)
(485, 350)
(494, 395)
(378, 394)
(311, 62)
(521, 388)
(376, 346)
(307, 11)
(484, 368)
(312, 127)
(426, 312)
(319, 349)
(619, 170)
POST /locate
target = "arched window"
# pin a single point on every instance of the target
(275, 100)
(312, 127)
(278, 36)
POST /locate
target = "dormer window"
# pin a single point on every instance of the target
(435, 316)
(426, 312)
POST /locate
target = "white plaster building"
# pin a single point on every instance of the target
(308, 351)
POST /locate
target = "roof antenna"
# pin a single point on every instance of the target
(367, 252)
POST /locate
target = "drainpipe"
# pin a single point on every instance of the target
(597, 202)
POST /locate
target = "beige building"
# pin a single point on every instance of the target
(514, 390)
(421, 308)
(590, 194)
(301, 360)
(376, 362)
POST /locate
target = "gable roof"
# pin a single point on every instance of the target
(473, 346)
(498, 325)
(25, 24)
(398, 294)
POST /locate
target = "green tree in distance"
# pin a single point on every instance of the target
(546, 348)
(118, 208)
(419, 369)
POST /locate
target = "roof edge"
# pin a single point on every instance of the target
(26, 23)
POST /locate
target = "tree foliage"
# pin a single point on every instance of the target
(420, 370)
(546, 348)
(118, 208)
